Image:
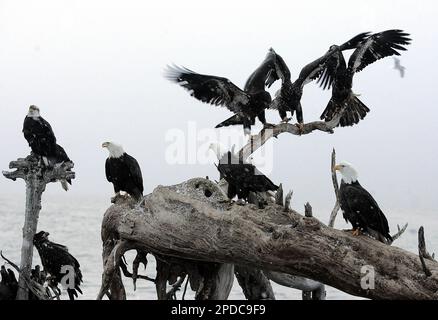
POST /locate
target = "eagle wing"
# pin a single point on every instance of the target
(333, 58)
(257, 80)
(209, 89)
(134, 171)
(360, 202)
(280, 70)
(378, 46)
(108, 170)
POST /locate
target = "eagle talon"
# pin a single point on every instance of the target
(285, 120)
(300, 127)
(356, 232)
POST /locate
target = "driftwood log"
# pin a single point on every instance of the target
(36, 177)
(182, 222)
(195, 224)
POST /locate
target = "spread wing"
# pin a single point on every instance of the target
(209, 89)
(329, 73)
(334, 57)
(362, 203)
(257, 80)
(280, 70)
(378, 46)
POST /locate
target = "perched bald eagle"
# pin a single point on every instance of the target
(123, 171)
(339, 75)
(39, 134)
(358, 206)
(246, 104)
(8, 284)
(242, 177)
(288, 98)
(54, 257)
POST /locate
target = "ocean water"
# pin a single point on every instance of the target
(77, 222)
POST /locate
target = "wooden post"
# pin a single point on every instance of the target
(36, 178)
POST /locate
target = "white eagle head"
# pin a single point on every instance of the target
(115, 150)
(33, 112)
(349, 174)
(218, 149)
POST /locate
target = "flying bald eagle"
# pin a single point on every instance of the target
(242, 177)
(54, 258)
(358, 206)
(288, 98)
(339, 75)
(42, 141)
(123, 171)
(246, 104)
(8, 284)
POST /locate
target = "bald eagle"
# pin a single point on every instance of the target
(42, 141)
(246, 104)
(242, 177)
(54, 258)
(358, 206)
(288, 98)
(123, 171)
(339, 75)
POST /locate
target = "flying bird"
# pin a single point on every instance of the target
(242, 177)
(54, 258)
(339, 75)
(246, 104)
(288, 98)
(42, 141)
(123, 171)
(399, 67)
(358, 206)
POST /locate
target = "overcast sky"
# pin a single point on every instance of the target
(95, 70)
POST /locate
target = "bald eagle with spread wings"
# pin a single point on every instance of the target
(339, 75)
(246, 104)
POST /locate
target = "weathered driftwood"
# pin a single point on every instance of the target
(36, 177)
(312, 290)
(254, 283)
(181, 221)
(336, 188)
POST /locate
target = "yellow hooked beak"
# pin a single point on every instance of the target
(338, 167)
(105, 144)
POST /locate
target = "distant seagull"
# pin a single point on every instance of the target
(399, 67)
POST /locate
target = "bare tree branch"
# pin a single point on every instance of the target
(264, 135)
(336, 187)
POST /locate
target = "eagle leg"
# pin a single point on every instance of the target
(356, 232)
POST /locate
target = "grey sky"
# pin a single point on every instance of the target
(95, 70)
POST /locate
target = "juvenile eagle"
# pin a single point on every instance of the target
(246, 104)
(288, 98)
(242, 177)
(54, 258)
(339, 75)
